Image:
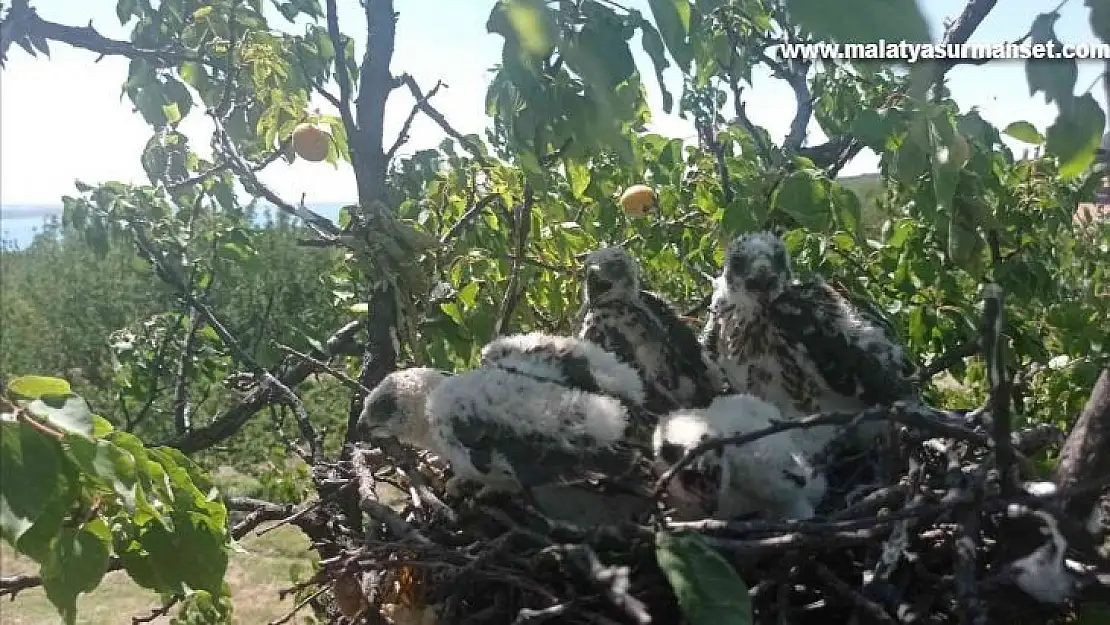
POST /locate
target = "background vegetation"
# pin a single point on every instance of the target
(172, 313)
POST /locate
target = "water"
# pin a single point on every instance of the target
(19, 223)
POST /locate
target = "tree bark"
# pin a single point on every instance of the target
(1086, 452)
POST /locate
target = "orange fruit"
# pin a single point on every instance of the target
(310, 142)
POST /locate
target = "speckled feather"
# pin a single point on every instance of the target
(643, 330)
(510, 431)
(801, 346)
(566, 360)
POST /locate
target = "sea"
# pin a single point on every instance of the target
(19, 223)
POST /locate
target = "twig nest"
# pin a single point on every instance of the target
(638, 200)
(311, 142)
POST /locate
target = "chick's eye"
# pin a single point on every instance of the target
(739, 264)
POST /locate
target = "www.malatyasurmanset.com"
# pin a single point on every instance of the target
(913, 52)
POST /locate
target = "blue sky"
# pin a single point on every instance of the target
(62, 118)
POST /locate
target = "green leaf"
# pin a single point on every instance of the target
(965, 245)
(673, 19)
(849, 210)
(107, 463)
(1100, 18)
(468, 295)
(578, 175)
(802, 196)
(101, 427)
(38, 386)
(33, 477)
(171, 113)
(861, 21)
(77, 563)
(871, 128)
(1055, 77)
(1024, 131)
(451, 309)
(653, 45)
(527, 24)
(708, 589)
(69, 413)
(125, 9)
(360, 308)
(1076, 134)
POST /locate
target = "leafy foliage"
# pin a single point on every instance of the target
(76, 493)
(709, 591)
(482, 234)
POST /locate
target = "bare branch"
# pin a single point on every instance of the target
(438, 118)
(522, 218)
(1086, 452)
(323, 366)
(346, 96)
(170, 275)
(796, 77)
(403, 136)
(229, 421)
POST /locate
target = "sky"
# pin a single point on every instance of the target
(62, 118)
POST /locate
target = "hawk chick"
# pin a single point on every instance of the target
(801, 346)
(769, 476)
(565, 360)
(505, 430)
(395, 407)
(643, 330)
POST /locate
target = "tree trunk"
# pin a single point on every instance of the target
(1086, 452)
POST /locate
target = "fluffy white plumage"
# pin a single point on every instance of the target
(512, 432)
(643, 330)
(565, 360)
(396, 406)
(769, 476)
(505, 430)
(1043, 574)
(800, 346)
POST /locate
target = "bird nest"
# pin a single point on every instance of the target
(923, 530)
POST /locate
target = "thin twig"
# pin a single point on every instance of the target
(300, 606)
(403, 135)
(347, 380)
(522, 218)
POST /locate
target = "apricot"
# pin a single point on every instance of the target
(638, 200)
(310, 142)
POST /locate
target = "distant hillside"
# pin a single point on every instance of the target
(866, 186)
(29, 211)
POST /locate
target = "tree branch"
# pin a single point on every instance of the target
(231, 420)
(346, 95)
(23, 20)
(993, 352)
(1086, 452)
(439, 119)
(522, 217)
(265, 378)
(837, 152)
(375, 84)
(403, 136)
